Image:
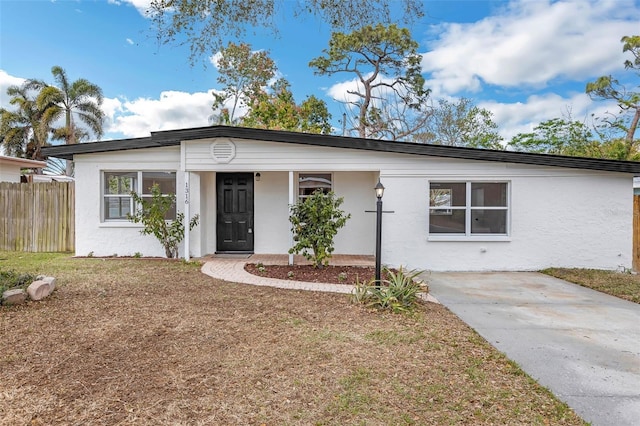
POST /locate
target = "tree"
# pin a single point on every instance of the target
(203, 24)
(243, 73)
(386, 65)
(152, 213)
(609, 88)
(558, 136)
(314, 223)
(81, 99)
(278, 110)
(460, 123)
(25, 130)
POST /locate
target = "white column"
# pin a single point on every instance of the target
(291, 201)
(187, 198)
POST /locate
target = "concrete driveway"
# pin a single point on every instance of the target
(582, 345)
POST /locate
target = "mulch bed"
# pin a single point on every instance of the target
(329, 274)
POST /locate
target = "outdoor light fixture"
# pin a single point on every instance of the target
(379, 188)
(258, 177)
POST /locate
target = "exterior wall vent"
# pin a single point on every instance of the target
(223, 151)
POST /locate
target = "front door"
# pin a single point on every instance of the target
(234, 227)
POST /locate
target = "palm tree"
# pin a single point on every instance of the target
(24, 131)
(79, 100)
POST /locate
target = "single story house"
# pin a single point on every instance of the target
(11, 167)
(449, 208)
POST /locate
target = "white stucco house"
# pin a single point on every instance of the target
(11, 167)
(453, 209)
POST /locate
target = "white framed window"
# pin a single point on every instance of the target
(469, 209)
(308, 183)
(117, 201)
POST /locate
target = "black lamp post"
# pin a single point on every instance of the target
(379, 193)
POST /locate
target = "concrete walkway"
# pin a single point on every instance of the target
(582, 345)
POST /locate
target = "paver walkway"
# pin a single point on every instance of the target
(231, 268)
(581, 344)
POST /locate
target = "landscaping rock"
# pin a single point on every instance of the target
(16, 296)
(51, 281)
(38, 290)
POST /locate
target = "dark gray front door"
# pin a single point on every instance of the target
(234, 227)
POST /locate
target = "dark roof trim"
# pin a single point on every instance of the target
(174, 137)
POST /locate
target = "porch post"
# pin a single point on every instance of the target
(187, 197)
(291, 201)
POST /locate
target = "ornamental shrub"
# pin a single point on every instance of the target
(315, 221)
(152, 213)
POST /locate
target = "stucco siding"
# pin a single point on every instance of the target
(121, 238)
(583, 220)
(9, 173)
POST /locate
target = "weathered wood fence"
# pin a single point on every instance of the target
(636, 233)
(37, 217)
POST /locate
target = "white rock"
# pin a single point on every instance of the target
(38, 290)
(51, 281)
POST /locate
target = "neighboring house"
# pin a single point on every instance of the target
(11, 167)
(456, 209)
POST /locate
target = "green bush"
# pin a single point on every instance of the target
(314, 223)
(397, 293)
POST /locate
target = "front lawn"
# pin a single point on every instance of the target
(623, 285)
(138, 341)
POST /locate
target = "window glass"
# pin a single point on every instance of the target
(489, 194)
(488, 221)
(308, 183)
(468, 208)
(444, 194)
(117, 202)
(119, 183)
(166, 181)
(452, 222)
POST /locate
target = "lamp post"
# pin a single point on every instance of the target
(379, 188)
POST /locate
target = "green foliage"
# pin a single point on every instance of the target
(243, 73)
(557, 136)
(11, 279)
(277, 109)
(609, 88)
(385, 61)
(460, 124)
(152, 213)
(314, 223)
(204, 24)
(398, 293)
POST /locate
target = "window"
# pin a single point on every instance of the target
(117, 200)
(468, 208)
(308, 183)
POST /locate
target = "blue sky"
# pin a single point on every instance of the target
(525, 61)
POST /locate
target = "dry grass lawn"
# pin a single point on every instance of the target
(151, 342)
(623, 285)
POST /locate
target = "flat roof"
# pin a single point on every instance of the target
(22, 162)
(174, 137)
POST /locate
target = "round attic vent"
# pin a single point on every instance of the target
(223, 151)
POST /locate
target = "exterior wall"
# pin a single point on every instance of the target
(9, 173)
(559, 216)
(122, 238)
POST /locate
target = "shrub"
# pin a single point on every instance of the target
(152, 214)
(398, 293)
(314, 223)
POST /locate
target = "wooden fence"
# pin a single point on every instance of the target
(37, 217)
(636, 233)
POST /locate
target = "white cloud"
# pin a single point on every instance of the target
(7, 80)
(129, 41)
(531, 43)
(141, 5)
(173, 110)
(522, 117)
